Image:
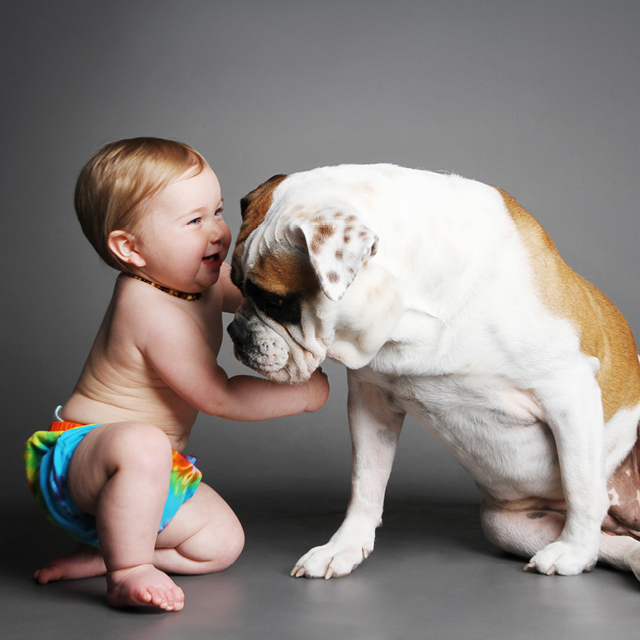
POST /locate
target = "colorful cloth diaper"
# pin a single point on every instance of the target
(47, 456)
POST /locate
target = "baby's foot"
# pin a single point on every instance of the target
(84, 562)
(143, 585)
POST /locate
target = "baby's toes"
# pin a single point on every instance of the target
(178, 598)
(160, 598)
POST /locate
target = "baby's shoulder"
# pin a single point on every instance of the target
(141, 310)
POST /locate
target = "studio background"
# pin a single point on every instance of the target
(540, 98)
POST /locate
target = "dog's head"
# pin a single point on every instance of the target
(298, 252)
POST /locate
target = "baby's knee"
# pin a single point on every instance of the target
(234, 545)
(222, 543)
(142, 446)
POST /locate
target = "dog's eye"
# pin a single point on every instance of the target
(276, 303)
(282, 309)
(271, 304)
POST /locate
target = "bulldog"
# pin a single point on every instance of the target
(446, 300)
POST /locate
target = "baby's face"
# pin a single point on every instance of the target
(183, 238)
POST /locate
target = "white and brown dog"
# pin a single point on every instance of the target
(446, 300)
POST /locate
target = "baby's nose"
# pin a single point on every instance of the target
(217, 232)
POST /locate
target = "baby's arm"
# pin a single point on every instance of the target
(249, 398)
(232, 295)
(174, 346)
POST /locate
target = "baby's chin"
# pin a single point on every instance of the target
(209, 278)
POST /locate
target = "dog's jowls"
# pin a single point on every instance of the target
(446, 300)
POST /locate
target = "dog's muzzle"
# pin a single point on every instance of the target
(257, 346)
(239, 333)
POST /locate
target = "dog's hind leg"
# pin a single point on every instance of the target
(525, 531)
(623, 552)
(619, 546)
(521, 531)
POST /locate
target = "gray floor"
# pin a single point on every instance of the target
(535, 96)
(433, 575)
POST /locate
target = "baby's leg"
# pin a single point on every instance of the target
(204, 536)
(83, 562)
(120, 473)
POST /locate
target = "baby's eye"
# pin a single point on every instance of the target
(219, 211)
(195, 221)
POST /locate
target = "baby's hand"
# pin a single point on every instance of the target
(317, 389)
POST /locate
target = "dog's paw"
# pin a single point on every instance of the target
(562, 558)
(330, 561)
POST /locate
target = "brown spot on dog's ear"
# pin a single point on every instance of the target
(335, 248)
(321, 233)
(254, 207)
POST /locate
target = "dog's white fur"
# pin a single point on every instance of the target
(431, 295)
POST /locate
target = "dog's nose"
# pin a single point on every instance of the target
(239, 333)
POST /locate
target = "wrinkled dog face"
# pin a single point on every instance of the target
(293, 264)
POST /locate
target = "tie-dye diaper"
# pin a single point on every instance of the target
(47, 456)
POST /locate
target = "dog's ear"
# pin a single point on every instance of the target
(263, 192)
(339, 244)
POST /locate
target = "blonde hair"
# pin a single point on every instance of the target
(116, 182)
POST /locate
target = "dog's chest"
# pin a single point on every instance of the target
(493, 429)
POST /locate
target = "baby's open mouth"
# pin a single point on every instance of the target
(213, 260)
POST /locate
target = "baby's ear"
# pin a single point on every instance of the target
(123, 247)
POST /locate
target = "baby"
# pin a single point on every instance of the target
(109, 470)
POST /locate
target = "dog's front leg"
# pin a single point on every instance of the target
(375, 427)
(576, 420)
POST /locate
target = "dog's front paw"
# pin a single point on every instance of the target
(562, 558)
(330, 561)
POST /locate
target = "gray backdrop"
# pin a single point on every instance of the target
(539, 97)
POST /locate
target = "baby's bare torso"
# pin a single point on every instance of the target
(118, 382)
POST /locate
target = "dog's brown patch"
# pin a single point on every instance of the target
(624, 489)
(254, 207)
(285, 272)
(604, 333)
